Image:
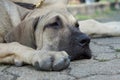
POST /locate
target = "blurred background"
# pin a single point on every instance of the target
(101, 10)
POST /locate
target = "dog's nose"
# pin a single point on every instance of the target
(84, 40)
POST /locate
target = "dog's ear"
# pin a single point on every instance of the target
(23, 33)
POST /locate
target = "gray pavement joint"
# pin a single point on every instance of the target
(68, 73)
(15, 76)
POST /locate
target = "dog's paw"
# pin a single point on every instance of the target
(53, 61)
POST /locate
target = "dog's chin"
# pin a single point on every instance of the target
(81, 55)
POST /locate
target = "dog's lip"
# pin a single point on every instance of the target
(80, 57)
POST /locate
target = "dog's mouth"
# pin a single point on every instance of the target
(78, 53)
(84, 55)
(80, 56)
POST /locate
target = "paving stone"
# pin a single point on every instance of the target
(32, 74)
(102, 77)
(100, 49)
(5, 76)
(118, 55)
(2, 67)
(115, 46)
(105, 56)
(48, 76)
(100, 68)
(20, 70)
(105, 41)
(78, 62)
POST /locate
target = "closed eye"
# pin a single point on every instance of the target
(53, 24)
(56, 23)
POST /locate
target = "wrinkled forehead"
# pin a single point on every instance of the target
(64, 15)
(56, 10)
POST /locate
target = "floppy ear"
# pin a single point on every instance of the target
(49, 20)
(23, 33)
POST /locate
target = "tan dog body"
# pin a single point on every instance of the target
(97, 29)
(51, 30)
(15, 53)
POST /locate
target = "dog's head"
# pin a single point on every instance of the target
(56, 30)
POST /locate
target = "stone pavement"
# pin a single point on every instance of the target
(105, 65)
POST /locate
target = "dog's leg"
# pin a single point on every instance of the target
(97, 29)
(15, 53)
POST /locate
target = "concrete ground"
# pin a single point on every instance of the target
(105, 65)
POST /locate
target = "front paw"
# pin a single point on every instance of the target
(52, 61)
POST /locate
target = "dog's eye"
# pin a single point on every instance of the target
(54, 25)
(77, 25)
